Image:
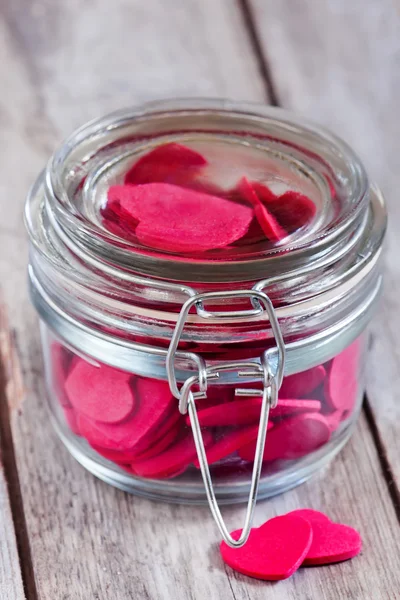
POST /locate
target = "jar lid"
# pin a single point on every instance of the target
(234, 154)
(322, 273)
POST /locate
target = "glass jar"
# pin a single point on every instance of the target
(149, 331)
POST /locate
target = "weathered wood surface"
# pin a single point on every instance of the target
(10, 573)
(338, 62)
(62, 63)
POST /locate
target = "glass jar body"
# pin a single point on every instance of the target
(127, 429)
(111, 303)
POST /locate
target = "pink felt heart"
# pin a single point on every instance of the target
(155, 403)
(160, 444)
(274, 551)
(61, 360)
(172, 420)
(176, 219)
(173, 163)
(114, 213)
(216, 394)
(70, 417)
(341, 387)
(292, 210)
(332, 542)
(155, 447)
(229, 443)
(293, 438)
(237, 412)
(101, 393)
(174, 460)
(270, 226)
(247, 412)
(302, 384)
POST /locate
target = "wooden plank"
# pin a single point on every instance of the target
(63, 64)
(11, 582)
(11, 587)
(338, 62)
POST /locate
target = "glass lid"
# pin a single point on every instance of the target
(205, 191)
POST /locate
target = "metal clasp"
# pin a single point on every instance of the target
(261, 371)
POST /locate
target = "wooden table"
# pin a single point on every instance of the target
(63, 534)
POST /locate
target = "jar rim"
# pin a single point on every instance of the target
(92, 240)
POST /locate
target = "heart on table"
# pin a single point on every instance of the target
(273, 551)
(332, 542)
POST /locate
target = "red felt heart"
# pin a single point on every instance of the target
(295, 210)
(181, 220)
(302, 384)
(292, 210)
(237, 412)
(332, 542)
(334, 419)
(160, 444)
(174, 460)
(155, 403)
(172, 163)
(272, 229)
(155, 447)
(341, 387)
(274, 551)
(292, 438)
(172, 419)
(230, 442)
(101, 393)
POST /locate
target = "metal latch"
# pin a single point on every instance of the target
(262, 371)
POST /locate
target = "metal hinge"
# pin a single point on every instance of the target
(261, 371)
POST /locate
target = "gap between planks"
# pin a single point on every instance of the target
(259, 56)
(387, 471)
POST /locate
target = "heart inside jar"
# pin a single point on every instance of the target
(135, 422)
(185, 199)
(197, 199)
(265, 231)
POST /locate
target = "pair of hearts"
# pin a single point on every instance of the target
(280, 546)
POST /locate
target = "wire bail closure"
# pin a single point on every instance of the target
(261, 371)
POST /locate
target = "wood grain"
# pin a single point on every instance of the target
(11, 581)
(62, 64)
(338, 62)
(11, 587)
